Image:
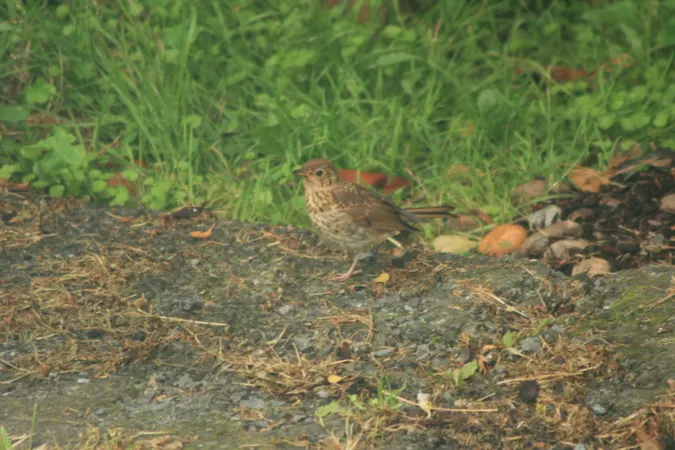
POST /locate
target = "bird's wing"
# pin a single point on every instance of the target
(369, 209)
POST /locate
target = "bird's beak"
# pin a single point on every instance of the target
(300, 172)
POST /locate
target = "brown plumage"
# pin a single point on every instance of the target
(351, 217)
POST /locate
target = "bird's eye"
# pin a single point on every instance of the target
(319, 172)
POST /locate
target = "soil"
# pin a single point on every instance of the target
(119, 326)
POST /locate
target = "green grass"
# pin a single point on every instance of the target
(85, 89)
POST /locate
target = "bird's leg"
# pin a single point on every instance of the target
(345, 276)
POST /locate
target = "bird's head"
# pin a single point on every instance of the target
(318, 173)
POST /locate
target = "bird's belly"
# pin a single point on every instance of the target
(339, 230)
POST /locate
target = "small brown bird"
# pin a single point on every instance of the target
(351, 217)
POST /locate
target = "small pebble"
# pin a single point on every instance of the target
(531, 344)
(253, 403)
(580, 447)
(384, 352)
(598, 409)
(322, 393)
(528, 391)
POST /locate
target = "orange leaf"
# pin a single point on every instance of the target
(203, 234)
(333, 378)
(14, 186)
(587, 180)
(376, 180)
(383, 278)
(502, 240)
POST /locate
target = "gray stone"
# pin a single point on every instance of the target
(531, 344)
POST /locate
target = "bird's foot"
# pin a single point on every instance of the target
(343, 277)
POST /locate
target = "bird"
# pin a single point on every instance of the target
(351, 217)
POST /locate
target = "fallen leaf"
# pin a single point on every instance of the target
(376, 180)
(620, 156)
(383, 278)
(562, 229)
(16, 187)
(563, 74)
(468, 130)
(119, 180)
(502, 240)
(561, 249)
(535, 245)
(528, 191)
(544, 217)
(668, 203)
(334, 379)
(587, 179)
(591, 267)
(454, 244)
(459, 172)
(482, 216)
(645, 441)
(423, 400)
(581, 213)
(203, 234)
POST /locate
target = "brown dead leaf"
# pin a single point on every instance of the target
(535, 244)
(454, 243)
(528, 191)
(561, 248)
(591, 267)
(468, 130)
(621, 157)
(668, 203)
(458, 170)
(645, 441)
(561, 229)
(503, 240)
(587, 179)
(203, 234)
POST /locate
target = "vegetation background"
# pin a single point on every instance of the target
(162, 102)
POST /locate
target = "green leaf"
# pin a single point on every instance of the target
(326, 410)
(131, 175)
(57, 190)
(193, 120)
(391, 31)
(488, 100)
(607, 121)
(5, 441)
(99, 186)
(469, 369)
(541, 325)
(298, 58)
(638, 94)
(135, 9)
(13, 113)
(667, 35)
(508, 339)
(121, 197)
(619, 13)
(39, 92)
(7, 170)
(392, 58)
(61, 143)
(661, 119)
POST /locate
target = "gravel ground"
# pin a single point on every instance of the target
(121, 326)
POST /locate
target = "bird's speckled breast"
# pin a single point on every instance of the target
(336, 227)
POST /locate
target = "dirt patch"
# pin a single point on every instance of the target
(119, 326)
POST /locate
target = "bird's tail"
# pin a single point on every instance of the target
(432, 212)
